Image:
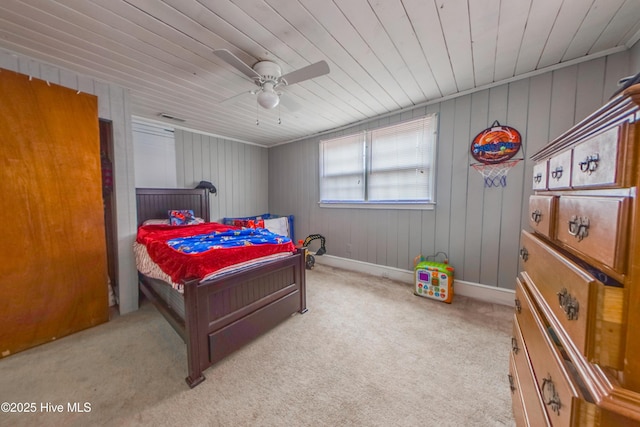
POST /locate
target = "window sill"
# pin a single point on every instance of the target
(423, 206)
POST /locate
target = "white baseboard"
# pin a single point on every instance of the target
(469, 289)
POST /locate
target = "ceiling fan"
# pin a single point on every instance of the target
(267, 75)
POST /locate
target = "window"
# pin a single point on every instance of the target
(390, 165)
(154, 154)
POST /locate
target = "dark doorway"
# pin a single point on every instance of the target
(106, 159)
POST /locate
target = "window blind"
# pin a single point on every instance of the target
(400, 162)
(342, 168)
(389, 165)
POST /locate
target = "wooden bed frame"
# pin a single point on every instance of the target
(222, 314)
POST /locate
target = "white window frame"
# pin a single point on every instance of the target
(331, 175)
(154, 155)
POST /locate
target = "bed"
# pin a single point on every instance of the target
(217, 316)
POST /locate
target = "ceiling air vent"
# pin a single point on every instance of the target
(170, 117)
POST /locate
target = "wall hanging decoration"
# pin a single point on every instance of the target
(494, 148)
(496, 144)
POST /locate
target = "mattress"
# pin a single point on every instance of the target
(204, 251)
(149, 268)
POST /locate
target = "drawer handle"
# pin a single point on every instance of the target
(569, 304)
(590, 164)
(557, 173)
(514, 345)
(518, 307)
(579, 227)
(524, 254)
(536, 216)
(537, 178)
(550, 395)
(511, 383)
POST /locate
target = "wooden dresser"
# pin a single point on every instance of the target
(575, 357)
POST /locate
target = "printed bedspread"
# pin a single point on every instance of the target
(197, 251)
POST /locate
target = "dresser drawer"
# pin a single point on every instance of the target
(523, 413)
(560, 171)
(540, 175)
(595, 227)
(608, 418)
(517, 405)
(596, 161)
(535, 415)
(560, 395)
(542, 214)
(588, 312)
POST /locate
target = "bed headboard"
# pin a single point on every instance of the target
(154, 203)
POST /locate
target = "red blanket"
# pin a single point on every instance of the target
(180, 265)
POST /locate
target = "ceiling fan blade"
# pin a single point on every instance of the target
(238, 97)
(289, 103)
(305, 73)
(236, 62)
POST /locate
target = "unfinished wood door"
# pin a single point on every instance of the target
(53, 278)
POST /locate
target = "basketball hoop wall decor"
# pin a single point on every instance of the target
(494, 148)
(496, 144)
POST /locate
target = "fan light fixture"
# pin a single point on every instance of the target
(268, 98)
(267, 75)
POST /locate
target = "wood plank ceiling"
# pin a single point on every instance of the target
(384, 55)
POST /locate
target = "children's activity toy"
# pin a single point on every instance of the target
(434, 279)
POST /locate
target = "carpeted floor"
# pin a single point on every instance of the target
(368, 353)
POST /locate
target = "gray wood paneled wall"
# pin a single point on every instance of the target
(479, 228)
(238, 170)
(114, 105)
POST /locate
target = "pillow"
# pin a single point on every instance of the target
(168, 222)
(182, 217)
(278, 225)
(249, 223)
(156, 222)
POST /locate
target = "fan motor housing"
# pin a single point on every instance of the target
(270, 71)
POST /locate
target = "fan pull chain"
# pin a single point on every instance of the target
(257, 114)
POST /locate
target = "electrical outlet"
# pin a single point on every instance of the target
(348, 248)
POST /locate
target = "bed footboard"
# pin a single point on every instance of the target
(222, 315)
